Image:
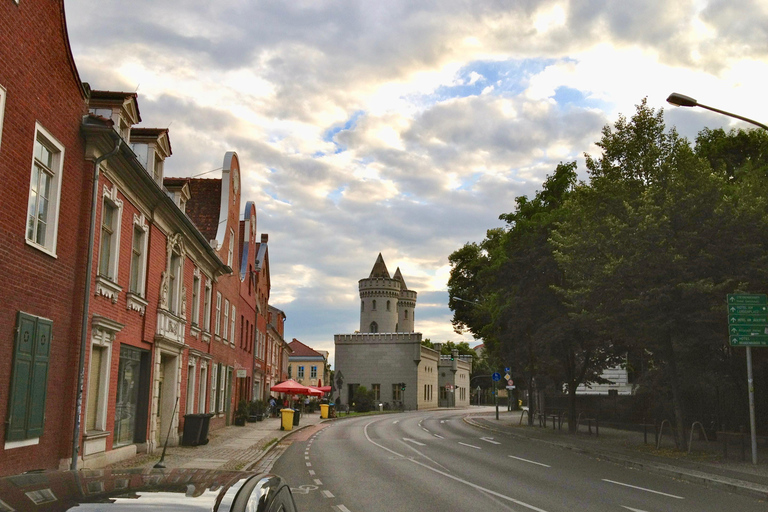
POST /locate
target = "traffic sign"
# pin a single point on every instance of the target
(496, 376)
(760, 340)
(747, 320)
(506, 370)
(509, 382)
(507, 377)
(510, 387)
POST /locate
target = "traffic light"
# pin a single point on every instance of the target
(451, 356)
(402, 386)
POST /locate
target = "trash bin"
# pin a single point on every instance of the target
(323, 411)
(296, 417)
(193, 427)
(381, 407)
(204, 429)
(287, 419)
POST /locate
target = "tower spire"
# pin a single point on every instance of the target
(379, 268)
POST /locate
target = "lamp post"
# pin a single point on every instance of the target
(681, 100)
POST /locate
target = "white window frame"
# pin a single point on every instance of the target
(102, 338)
(218, 314)
(54, 195)
(225, 336)
(110, 197)
(232, 320)
(203, 386)
(313, 372)
(207, 306)
(222, 387)
(214, 388)
(231, 251)
(300, 372)
(139, 271)
(3, 94)
(196, 298)
(191, 369)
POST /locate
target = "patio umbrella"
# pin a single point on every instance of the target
(325, 389)
(315, 391)
(290, 387)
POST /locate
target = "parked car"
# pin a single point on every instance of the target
(128, 490)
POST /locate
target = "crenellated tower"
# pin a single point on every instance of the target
(386, 304)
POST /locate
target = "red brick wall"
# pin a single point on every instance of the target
(37, 72)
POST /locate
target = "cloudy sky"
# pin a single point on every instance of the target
(405, 127)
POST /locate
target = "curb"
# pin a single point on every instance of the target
(716, 482)
(283, 434)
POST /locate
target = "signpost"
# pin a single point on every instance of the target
(496, 378)
(748, 327)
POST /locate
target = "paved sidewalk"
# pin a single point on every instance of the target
(705, 464)
(228, 448)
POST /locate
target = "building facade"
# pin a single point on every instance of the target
(387, 356)
(307, 366)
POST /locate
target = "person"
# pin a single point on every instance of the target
(272, 405)
(306, 404)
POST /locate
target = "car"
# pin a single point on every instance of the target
(178, 489)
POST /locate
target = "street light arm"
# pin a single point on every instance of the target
(681, 100)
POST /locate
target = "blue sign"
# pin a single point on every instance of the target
(496, 376)
(506, 370)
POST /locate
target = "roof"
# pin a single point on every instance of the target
(379, 268)
(399, 277)
(302, 350)
(204, 205)
(114, 96)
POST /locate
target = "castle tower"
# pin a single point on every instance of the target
(379, 297)
(406, 305)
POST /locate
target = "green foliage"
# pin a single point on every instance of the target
(363, 400)
(241, 413)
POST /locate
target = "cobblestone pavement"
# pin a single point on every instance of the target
(228, 448)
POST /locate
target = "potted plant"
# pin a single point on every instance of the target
(256, 410)
(241, 413)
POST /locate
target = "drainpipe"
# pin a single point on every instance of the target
(86, 304)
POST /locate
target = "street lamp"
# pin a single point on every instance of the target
(681, 100)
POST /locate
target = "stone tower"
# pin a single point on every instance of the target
(386, 304)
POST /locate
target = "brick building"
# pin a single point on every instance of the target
(43, 220)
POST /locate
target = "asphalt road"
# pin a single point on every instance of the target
(434, 461)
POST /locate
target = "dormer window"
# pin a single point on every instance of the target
(158, 169)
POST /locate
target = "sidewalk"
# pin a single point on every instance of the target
(228, 448)
(705, 465)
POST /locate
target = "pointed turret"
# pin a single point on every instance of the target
(379, 269)
(399, 277)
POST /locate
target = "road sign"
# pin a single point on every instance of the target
(510, 387)
(507, 376)
(747, 320)
(509, 382)
(496, 376)
(506, 370)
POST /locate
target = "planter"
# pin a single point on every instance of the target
(259, 417)
(240, 422)
(253, 419)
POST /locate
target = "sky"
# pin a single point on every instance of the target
(405, 127)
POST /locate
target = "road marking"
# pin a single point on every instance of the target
(643, 489)
(454, 478)
(306, 457)
(328, 494)
(311, 472)
(633, 509)
(489, 440)
(304, 489)
(438, 435)
(413, 441)
(341, 508)
(396, 421)
(318, 482)
(425, 430)
(442, 421)
(530, 461)
(471, 446)
(309, 464)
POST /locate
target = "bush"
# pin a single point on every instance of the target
(363, 400)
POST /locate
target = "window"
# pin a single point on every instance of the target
(191, 386)
(138, 255)
(396, 392)
(313, 372)
(232, 319)
(128, 418)
(362, 306)
(2, 110)
(406, 314)
(226, 319)
(290, 371)
(231, 251)
(301, 372)
(376, 388)
(174, 282)
(387, 305)
(29, 378)
(44, 191)
(214, 383)
(218, 313)
(102, 335)
(222, 386)
(207, 307)
(203, 387)
(374, 327)
(373, 305)
(110, 239)
(196, 298)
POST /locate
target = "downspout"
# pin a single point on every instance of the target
(86, 304)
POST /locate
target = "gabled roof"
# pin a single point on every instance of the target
(158, 135)
(399, 277)
(302, 350)
(379, 268)
(204, 205)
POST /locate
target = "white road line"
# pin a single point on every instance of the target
(328, 494)
(643, 489)
(342, 508)
(530, 461)
(438, 435)
(425, 430)
(471, 446)
(442, 421)
(413, 441)
(309, 464)
(306, 457)
(489, 440)
(311, 472)
(396, 421)
(318, 482)
(454, 478)
(633, 509)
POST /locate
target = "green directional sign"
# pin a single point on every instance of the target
(747, 320)
(749, 341)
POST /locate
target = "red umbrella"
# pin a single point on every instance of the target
(291, 387)
(315, 391)
(325, 389)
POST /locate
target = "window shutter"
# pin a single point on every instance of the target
(30, 377)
